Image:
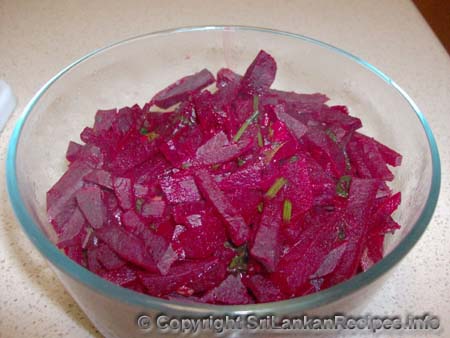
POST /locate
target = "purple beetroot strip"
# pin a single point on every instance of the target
(241, 194)
(182, 88)
(237, 228)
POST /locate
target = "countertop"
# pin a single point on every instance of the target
(38, 38)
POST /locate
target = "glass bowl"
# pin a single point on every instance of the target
(132, 71)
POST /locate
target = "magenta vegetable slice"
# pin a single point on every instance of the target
(90, 202)
(127, 246)
(264, 289)
(236, 226)
(266, 247)
(154, 208)
(218, 149)
(367, 159)
(196, 275)
(73, 151)
(356, 222)
(71, 229)
(230, 291)
(123, 189)
(121, 276)
(100, 177)
(260, 74)
(182, 88)
(295, 126)
(104, 119)
(389, 155)
(314, 245)
(64, 190)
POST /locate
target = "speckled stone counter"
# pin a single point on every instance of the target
(37, 38)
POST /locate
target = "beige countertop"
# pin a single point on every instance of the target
(38, 38)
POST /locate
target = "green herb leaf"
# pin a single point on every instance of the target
(287, 211)
(293, 159)
(139, 202)
(331, 135)
(269, 154)
(249, 121)
(228, 245)
(276, 187)
(143, 131)
(343, 186)
(240, 162)
(186, 165)
(152, 135)
(215, 166)
(255, 103)
(260, 207)
(239, 262)
(260, 139)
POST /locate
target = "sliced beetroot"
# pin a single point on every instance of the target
(182, 88)
(72, 228)
(259, 75)
(264, 289)
(228, 85)
(153, 208)
(195, 275)
(227, 78)
(355, 227)
(100, 177)
(266, 247)
(298, 191)
(181, 148)
(314, 245)
(73, 151)
(210, 118)
(125, 121)
(133, 151)
(237, 229)
(102, 256)
(219, 149)
(241, 193)
(127, 246)
(325, 151)
(247, 202)
(204, 233)
(330, 262)
(323, 185)
(389, 155)
(64, 190)
(90, 202)
(230, 291)
(286, 144)
(104, 119)
(247, 176)
(169, 257)
(295, 126)
(123, 188)
(336, 116)
(89, 154)
(180, 188)
(386, 207)
(122, 276)
(367, 159)
(373, 252)
(75, 253)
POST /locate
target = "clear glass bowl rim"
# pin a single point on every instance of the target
(295, 305)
